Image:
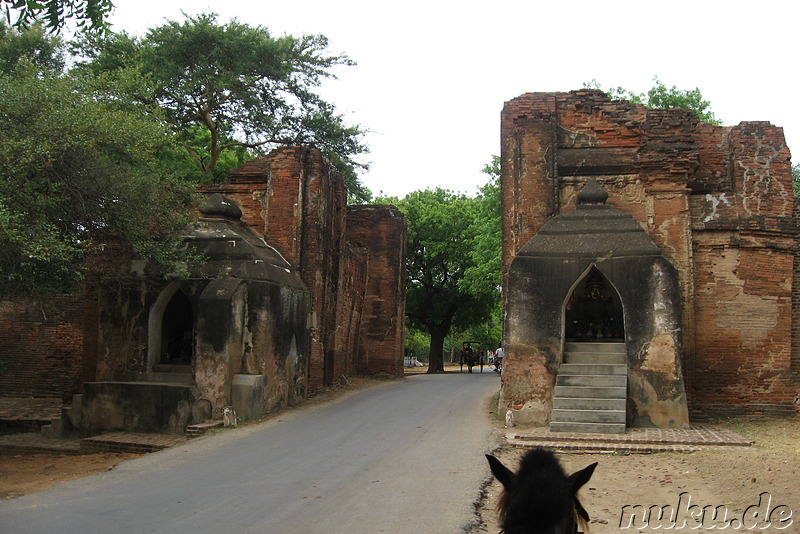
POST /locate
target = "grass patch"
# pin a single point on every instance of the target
(491, 408)
(770, 433)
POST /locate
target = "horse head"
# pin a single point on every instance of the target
(540, 498)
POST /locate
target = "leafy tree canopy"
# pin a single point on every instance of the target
(245, 88)
(78, 170)
(451, 254)
(662, 97)
(90, 15)
(30, 48)
(484, 273)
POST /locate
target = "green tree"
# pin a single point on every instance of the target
(88, 14)
(796, 179)
(246, 88)
(662, 97)
(79, 171)
(484, 273)
(29, 48)
(417, 343)
(483, 277)
(441, 239)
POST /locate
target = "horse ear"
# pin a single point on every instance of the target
(501, 472)
(579, 478)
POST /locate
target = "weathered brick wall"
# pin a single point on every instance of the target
(321, 253)
(551, 143)
(713, 172)
(794, 358)
(382, 231)
(299, 202)
(744, 237)
(90, 326)
(270, 207)
(716, 200)
(742, 357)
(527, 153)
(761, 169)
(42, 340)
(350, 308)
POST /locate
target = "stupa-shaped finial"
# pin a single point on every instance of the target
(218, 205)
(592, 193)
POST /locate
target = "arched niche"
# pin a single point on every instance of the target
(171, 328)
(593, 309)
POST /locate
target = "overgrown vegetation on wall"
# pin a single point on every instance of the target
(662, 97)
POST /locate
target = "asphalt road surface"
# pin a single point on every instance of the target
(404, 457)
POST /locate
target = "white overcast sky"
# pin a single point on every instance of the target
(432, 76)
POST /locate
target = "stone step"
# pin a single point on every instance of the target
(199, 429)
(595, 428)
(591, 389)
(576, 346)
(588, 416)
(170, 378)
(67, 424)
(591, 392)
(572, 403)
(130, 442)
(596, 357)
(172, 368)
(54, 430)
(592, 380)
(593, 369)
(696, 435)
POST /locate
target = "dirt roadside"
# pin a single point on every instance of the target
(734, 477)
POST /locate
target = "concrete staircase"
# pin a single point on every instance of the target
(172, 374)
(591, 389)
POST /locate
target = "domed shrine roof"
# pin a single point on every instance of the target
(232, 249)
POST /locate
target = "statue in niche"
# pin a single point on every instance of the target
(179, 347)
(594, 311)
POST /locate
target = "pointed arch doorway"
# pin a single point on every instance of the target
(177, 326)
(171, 335)
(591, 288)
(591, 386)
(593, 310)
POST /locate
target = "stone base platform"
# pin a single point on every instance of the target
(22, 414)
(130, 442)
(36, 443)
(635, 440)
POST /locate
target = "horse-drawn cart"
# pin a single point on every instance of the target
(471, 355)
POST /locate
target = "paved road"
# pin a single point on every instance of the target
(405, 457)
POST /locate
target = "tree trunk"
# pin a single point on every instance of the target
(436, 358)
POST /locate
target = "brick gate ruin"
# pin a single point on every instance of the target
(711, 324)
(300, 291)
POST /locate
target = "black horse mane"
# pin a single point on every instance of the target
(540, 496)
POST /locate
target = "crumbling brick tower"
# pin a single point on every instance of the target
(718, 204)
(351, 258)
